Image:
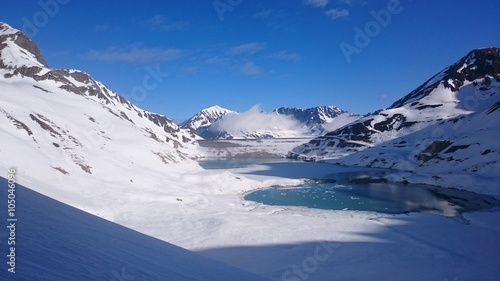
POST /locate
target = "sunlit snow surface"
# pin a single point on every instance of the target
(57, 242)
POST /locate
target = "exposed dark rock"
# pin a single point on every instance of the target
(389, 123)
(455, 148)
(481, 63)
(486, 152)
(311, 116)
(17, 123)
(432, 150)
(494, 108)
(44, 125)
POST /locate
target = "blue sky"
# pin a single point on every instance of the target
(177, 57)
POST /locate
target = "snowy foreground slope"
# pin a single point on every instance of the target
(445, 132)
(57, 242)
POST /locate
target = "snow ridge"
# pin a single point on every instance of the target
(36, 102)
(443, 131)
(199, 122)
(462, 88)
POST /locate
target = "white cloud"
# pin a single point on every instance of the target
(315, 3)
(264, 14)
(255, 120)
(217, 61)
(159, 23)
(340, 121)
(337, 13)
(383, 97)
(101, 27)
(286, 56)
(250, 68)
(134, 54)
(248, 48)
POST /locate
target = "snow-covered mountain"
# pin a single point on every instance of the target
(319, 119)
(284, 122)
(311, 116)
(445, 132)
(455, 152)
(468, 86)
(199, 122)
(66, 122)
(69, 140)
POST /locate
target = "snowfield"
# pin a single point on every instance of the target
(204, 211)
(58, 242)
(73, 141)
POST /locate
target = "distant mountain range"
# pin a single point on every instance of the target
(288, 122)
(68, 123)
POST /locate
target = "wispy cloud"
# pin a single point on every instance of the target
(316, 3)
(251, 69)
(159, 23)
(216, 60)
(286, 56)
(101, 27)
(264, 14)
(136, 53)
(248, 48)
(337, 13)
(255, 119)
(383, 97)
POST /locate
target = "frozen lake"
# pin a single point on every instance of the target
(378, 197)
(345, 190)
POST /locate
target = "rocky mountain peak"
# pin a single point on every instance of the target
(477, 64)
(205, 117)
(313, 115)
(27, 47)
(471, 85)
(22, 65)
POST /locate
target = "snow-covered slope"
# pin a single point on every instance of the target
(59, 243)
(63, 122)
(461, 152)
(283, 122)
(465, 87)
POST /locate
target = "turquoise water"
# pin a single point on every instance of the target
(378, 197)
(346, 195)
